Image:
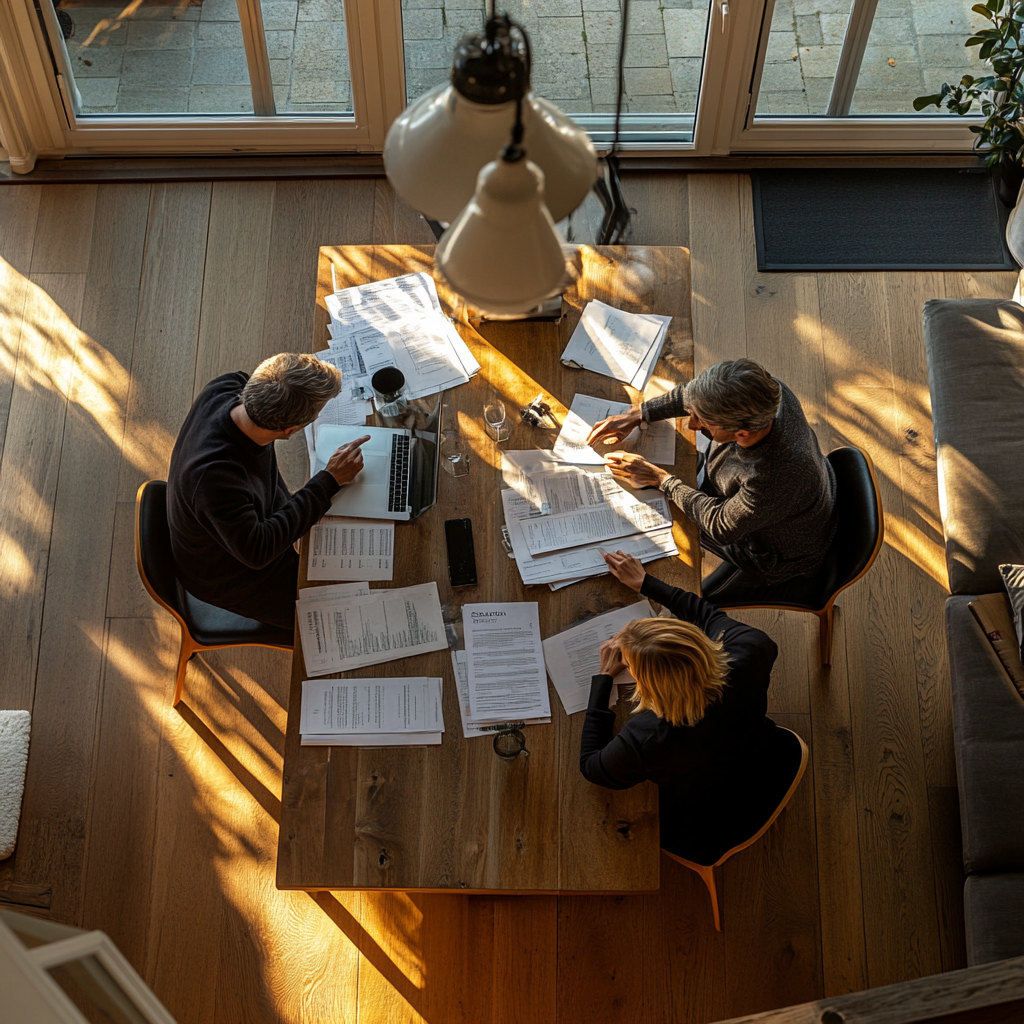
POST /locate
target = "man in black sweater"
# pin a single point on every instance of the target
(233, 521)
(768, 503)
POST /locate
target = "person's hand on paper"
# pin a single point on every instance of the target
(615, 428)
(611, 658)
(626, 569)
(345, 464)
(635, 470)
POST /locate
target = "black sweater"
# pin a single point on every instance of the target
(231, 516)
(772, 506)
(710, 775)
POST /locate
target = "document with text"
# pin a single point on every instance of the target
(351, 549)
(656, 442)
(505, 660)
(388, 705)
(384, 625)
(573, 657)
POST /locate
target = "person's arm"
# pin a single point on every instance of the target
(665, 406)
(688, 606)
(755, 506)
(223, 504)
(606, 760)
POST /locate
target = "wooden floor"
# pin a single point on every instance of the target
(117, 303)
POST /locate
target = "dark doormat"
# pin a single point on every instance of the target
(884, 219)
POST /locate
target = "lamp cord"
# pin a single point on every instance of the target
(622, 76)
(514, 150)
(615, 222)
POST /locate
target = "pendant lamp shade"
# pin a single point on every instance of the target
(437, 146)
(502, 253)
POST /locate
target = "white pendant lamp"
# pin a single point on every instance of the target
(502, 253)
(436, 148)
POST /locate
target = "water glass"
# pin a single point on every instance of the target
(455, 455)
(495, 420)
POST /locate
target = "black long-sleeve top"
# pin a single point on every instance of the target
(773, 505)
(712, 775)
(231, 516)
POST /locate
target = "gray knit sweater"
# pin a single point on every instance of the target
(772, 506)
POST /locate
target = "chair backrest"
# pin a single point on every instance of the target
(153, 546)
(860, 529)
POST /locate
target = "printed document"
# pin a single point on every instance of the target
(656, 442)
(577, 563)
(469, 727)
(351, 549)
(617, 344)
(336, 706)
(339, 590)
(384, 625)
(574, 657)
(505, 657)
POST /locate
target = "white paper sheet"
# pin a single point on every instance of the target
(380, 739)
(574, 656)
(623, 346)
(469, 728)
(351, 549)
(656, 442)
(360, 706)
(398, 322)
(385, 625)
(703, 444)
(335, 592)
(504, 653)
(574, 564)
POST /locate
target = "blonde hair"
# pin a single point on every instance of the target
(679, 670)
(289, 390)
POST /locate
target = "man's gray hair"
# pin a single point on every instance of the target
(289, 390)
(736, 394)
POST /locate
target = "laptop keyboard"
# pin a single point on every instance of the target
(398, 484)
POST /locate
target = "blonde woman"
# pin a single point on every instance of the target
(699, 729)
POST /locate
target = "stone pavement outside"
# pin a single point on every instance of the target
(172, 56)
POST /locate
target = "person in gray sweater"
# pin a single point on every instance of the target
(768, 501)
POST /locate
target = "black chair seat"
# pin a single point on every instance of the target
(855, 542)
(203, 625)
(214, 627)
(705, 835)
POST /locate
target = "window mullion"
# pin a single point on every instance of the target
(851, 56)
(255, 39)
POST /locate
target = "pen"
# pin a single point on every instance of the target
(501, 727)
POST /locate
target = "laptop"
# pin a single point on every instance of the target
(399, 475)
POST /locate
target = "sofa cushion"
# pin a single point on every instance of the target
(975, 350)
(988, 734)
(994, 917)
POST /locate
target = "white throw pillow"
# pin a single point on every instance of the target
(1013, 580)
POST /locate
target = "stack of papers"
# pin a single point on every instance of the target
(351, 549)
(500, 675)
(398, 322)
(347, 631)
(371, 712)
(656, 442)
(574, 657)
(560, 519)
(624, 346)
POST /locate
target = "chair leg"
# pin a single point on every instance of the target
(187, 651)
(825, 642)
(708, 874)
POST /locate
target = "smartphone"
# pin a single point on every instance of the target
(458, 535)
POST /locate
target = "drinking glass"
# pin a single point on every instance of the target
(495, 421)
(388, 385)
(455, 455)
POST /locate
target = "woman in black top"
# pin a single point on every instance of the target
(700, 730)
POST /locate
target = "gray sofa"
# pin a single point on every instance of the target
(975, 350)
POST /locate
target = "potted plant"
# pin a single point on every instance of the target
(1000, 94)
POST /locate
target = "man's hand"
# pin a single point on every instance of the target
(615, 428)
(347, 461)
(626, 569)
(611, 658)
(635, 470)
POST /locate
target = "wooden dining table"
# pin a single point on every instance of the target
(457, 817)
